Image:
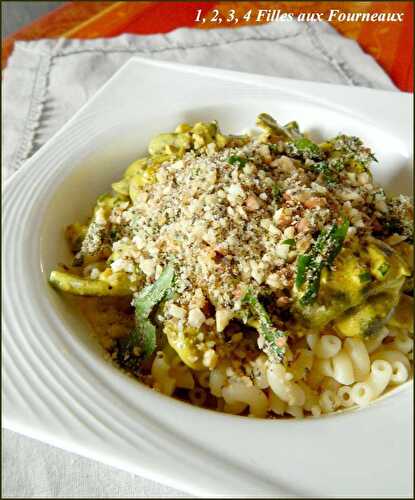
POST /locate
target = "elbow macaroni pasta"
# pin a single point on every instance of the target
(380, 376)
(403, 343)
(359, 357)
(248, 395)
(276, 405)
(327, 346)
(344, 394)
(400, 373)
(329, 401)
(325, 376)
(343, 368)
(282, 385)
(160, 371)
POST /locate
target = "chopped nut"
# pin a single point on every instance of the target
(176, 311)
(148, 266)
(210, 359)
(274, 281)
(223, 317)
(196, 317)
(252, 203)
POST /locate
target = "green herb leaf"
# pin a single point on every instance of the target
(140, 344)
(146, 336)
(290, 242)
(383, 269)
(275, 340)
(335, 239)
(237, 160)
(365, 277)
(304, 148)
(349, 151)
(276, 192)
(273, 148)
(142, 341)
(303, 262)
(323, 168)
(152, 294)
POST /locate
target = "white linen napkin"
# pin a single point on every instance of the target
(46, 81)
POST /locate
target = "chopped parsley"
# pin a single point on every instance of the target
(238, 161)
(276, 192)
(323, 168)
(303, 148)
(349, 151)
(274, 148)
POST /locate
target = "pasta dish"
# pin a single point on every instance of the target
(264, 274)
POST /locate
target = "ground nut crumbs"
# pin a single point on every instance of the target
(197, 217)
(211, 252)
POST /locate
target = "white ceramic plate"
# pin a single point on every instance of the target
(57, 386)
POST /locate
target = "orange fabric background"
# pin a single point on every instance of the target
(391, 43)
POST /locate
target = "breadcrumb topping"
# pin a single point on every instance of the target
(233, 225)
